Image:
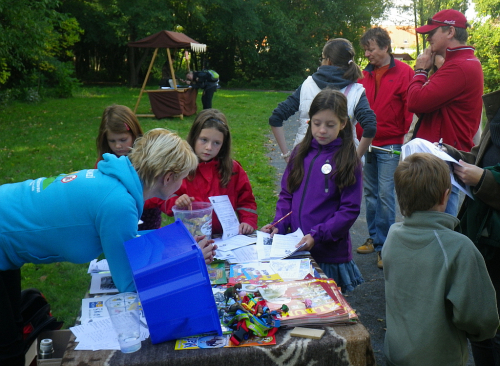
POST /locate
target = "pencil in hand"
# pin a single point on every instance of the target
(284, 217)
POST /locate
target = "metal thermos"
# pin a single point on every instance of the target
(46, 349)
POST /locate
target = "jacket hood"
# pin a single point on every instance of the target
(330, 76)
(122, 169)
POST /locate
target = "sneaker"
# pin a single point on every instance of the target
(379, 261)
(367, 247)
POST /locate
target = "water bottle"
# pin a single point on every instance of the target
(46, 349)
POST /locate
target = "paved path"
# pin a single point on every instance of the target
(367, 299)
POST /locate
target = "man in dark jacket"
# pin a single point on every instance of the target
(203, 80)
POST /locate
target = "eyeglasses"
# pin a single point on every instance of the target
(322, 58)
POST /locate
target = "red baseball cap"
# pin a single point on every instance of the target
(444, 18)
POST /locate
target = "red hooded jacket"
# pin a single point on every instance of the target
(206, 183)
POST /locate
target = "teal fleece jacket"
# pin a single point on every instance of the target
(438, 292)
(73, 217)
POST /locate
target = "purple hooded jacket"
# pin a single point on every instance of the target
(319, 207)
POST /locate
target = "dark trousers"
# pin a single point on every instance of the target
(208, 95)
(11, 335)
(487, 352)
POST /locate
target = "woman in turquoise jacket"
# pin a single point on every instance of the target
(75, 217)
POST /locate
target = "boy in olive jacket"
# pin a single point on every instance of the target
(438, 292)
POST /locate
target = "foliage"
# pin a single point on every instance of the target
(247, 39)
(425, 9)
(51, 137)
(35, 41)
(276, 39)
(485, 37)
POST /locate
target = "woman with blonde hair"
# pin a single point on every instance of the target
(75, 217)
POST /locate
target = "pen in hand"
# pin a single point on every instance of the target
(440, 144)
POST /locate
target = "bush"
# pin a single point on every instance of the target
(290, 83)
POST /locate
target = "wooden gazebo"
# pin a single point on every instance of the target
(173, 102)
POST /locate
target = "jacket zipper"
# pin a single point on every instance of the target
(305, 185)
(326, 177)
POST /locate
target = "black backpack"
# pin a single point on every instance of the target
(207, 75)
(36, 314)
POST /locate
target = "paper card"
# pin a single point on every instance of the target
(264, 245)
(227, 217)
(102, 283)
(291, 269)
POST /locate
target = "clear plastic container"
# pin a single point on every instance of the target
(197, 218)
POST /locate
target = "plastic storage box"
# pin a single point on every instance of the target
(172, 281)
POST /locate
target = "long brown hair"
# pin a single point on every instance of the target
(213, 118)
(116, 119)
(345, 158)
(341, 53)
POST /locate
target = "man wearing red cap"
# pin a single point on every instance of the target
(449, 103)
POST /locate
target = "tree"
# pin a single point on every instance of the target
(102, 52)
(35, 43)
(485, 37)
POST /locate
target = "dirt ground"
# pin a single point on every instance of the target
(368, 299)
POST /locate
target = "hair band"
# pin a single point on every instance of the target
(126, 126)
(350, 62)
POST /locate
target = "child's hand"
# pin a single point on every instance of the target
(184, 201)
(245, 229)
(309, 242)
(269, 229)
(207, 247)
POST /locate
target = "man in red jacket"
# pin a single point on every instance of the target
(386, 82)
(449, 103)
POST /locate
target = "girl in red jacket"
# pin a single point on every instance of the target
(117, 133)
(217, 173)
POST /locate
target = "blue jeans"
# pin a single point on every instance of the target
(452, 206)
(378, 181)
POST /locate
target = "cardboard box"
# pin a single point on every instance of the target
(60, 339)
(30, 357)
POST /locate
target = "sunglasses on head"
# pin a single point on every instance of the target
(431, 21)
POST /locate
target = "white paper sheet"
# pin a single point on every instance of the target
(99, 335)
(244, 254)
(227, 217)
(234, 242)
(284, 245)
(96, 331)
(291, 269)
(420, 145)
(98, 266)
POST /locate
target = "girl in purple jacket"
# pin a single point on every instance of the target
(322, 186)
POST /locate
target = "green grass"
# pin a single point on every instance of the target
(58, 136)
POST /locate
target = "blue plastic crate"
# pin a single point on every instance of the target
(173, 283)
